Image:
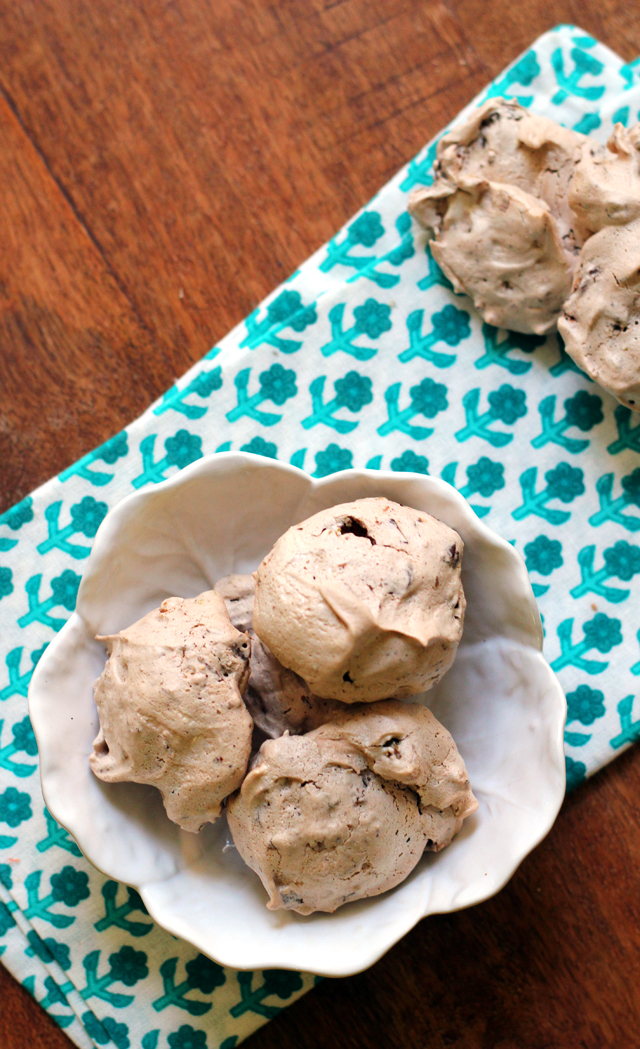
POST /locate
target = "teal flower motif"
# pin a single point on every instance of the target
(127, 965)
(70, 886)
(585, 705)
(65, 589)
(6, 877)
(429, 398)
(450, 326)
(204, 975)
(409, 462)
(278, 384)
(107, 1030)
(628, 435)
(332, 459)
(6, 920)
(18, 515)
(576, 773)
(364, 232)
(507, 404)
(584, 410)
(23, 737)
(114, 449)
(283, 307)
(6, 582)
(622, 560)
(282, 982)
(203, 385)
(49, 950)
(543, 555)
(15, 807)
(485, 477)
(372, 318)
(603, 633)
(353, 391)
(499, 352)
(258, 446)
(88, 515)
(610, 508)
(366, 229)
(186, 1037)
(183, 448)
(565, 482)
(285, 311)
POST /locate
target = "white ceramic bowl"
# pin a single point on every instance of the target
(500, 700)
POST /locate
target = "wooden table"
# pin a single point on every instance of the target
(164, 164)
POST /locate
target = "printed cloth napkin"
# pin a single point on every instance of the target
(364, 357)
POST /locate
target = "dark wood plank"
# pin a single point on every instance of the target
(164, 165)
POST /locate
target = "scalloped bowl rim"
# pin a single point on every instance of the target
(359, 949)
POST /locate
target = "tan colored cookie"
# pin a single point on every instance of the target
(346, 811)
(363, 601)
(605, 189)
(170, 707)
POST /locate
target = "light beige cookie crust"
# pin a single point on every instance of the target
(364, 601)
(346, 811)
(170, 707)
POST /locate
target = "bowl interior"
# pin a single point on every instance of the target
(500, 700)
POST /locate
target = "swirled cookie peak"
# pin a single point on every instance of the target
(364, 600)
(347, 810)
(170, 707)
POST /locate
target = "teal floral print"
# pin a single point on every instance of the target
(506, 405)
(180, 450)
(15, 807)
(409, 462)
(186, 1037)
(332, 459)
(451, 325)
(372, 319)
(584, 411)
(365, 357)
(585, 704)
(428, 398)
(352, 392)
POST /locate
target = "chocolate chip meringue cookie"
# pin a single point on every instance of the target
(605, 189)
(600, 323)
(502, 246)
(515, 167)
(278, 700)
(170, 707)
(347, 811)
(363, 601)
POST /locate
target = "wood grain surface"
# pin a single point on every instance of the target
(164, 164)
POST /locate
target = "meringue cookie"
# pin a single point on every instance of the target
(346, 811)
(501, 246)
(511, 163)
(600, 324)
(605, 189)
(170, 707)
(363, 601)
(277, 699)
